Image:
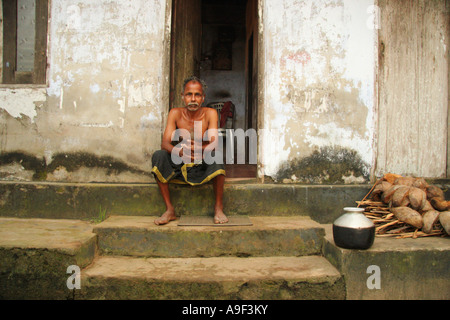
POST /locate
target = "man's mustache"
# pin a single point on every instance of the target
(193, 104)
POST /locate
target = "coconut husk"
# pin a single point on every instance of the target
(439, 204)
(391, 177)
(444, 219)
(400, 197)
(387, 195)
(381, 187)
(435, 192)
(421, 184)
(409, 216)
(407, 222)
(417, 198)
(426, 207)
(405, 181)
(429, 220)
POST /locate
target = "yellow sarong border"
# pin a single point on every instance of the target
(160, 177)
(208, 178)
(184, 173)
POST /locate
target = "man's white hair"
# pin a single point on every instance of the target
(195, 79)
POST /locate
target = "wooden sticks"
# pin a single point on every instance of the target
(387, 225)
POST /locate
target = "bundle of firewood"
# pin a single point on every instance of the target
(407, 207)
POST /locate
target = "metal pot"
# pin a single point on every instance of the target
(353, 230)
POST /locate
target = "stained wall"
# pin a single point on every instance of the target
(101, 113)
(319, 73)
(323, 116)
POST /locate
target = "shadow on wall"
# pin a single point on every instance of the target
(328, 165)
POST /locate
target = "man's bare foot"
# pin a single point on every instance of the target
(220, 217)
(166, 217)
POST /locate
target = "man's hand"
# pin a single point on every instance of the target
(196, 150)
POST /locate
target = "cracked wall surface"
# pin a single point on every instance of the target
(322, 69)
(106, 91)
(319, 86)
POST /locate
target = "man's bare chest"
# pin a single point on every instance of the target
(192, 125)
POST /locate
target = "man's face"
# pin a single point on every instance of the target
(193, 96)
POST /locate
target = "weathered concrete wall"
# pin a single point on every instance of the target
(318, 90)
(106, 98)
(320, 119)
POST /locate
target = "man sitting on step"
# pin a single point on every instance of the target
(198, 164)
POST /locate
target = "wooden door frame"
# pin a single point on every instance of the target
(174, 81)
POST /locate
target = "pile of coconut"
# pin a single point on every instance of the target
(407, 207)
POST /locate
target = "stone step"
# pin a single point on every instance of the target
(268, 236)
(35, 255)
(271, 278)
(323, 203)
(394, 269)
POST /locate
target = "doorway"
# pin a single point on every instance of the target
(216, 41)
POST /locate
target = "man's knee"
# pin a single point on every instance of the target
(159, 155)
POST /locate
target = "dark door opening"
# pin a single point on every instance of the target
(215, 40)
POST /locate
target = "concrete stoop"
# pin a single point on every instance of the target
(394, 269)
(217, 278)
(127, 257)
(322, 203)
(268, 236)
(35, 255)
(276, 258)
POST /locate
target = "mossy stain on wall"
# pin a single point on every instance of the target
(328, 165)
(70, 161)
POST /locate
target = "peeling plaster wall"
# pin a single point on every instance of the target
(107, 92)
(319, 79)
(21, 103)
(103, 110)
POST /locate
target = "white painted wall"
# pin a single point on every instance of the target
(107, 83)
(319, 78)
(108, 78)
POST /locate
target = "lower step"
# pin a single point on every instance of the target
(268, 236)
(36, 254)
(310, 277)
